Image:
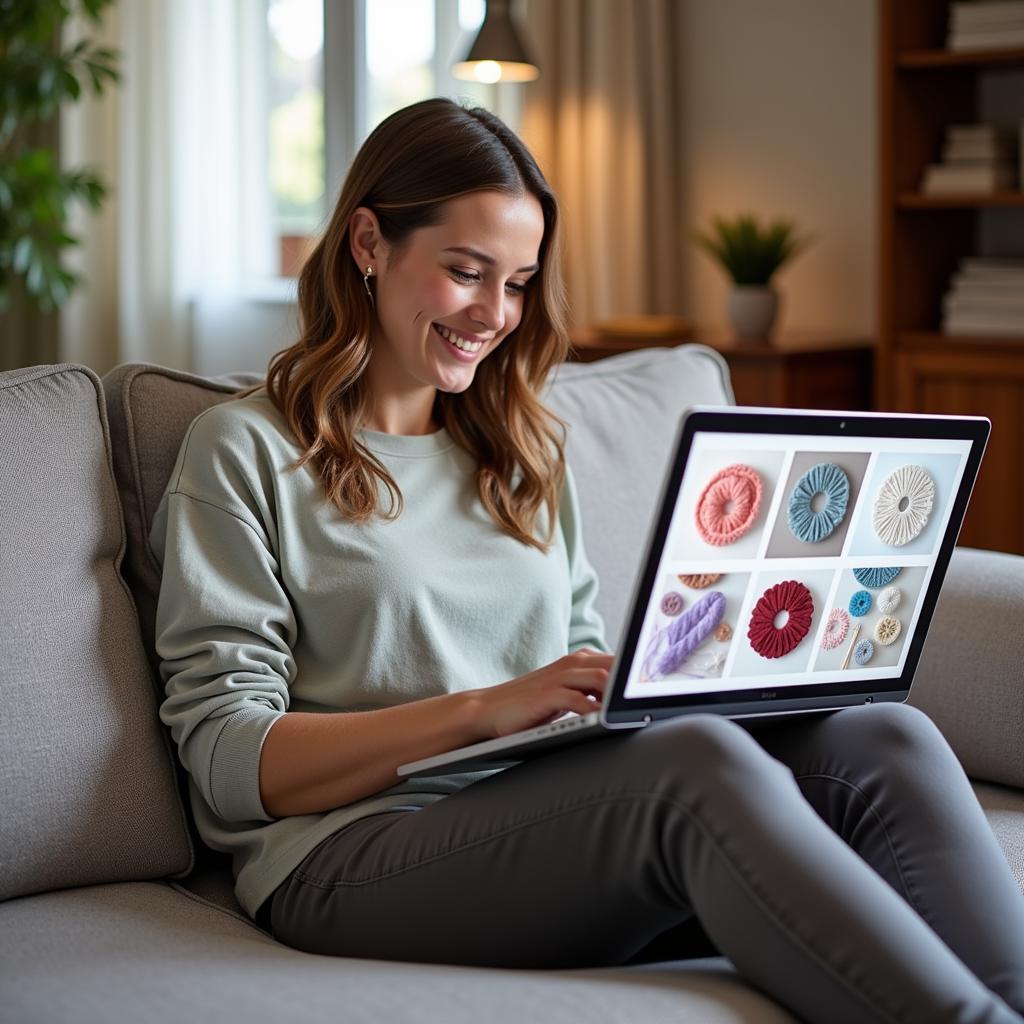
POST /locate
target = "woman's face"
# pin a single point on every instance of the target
(446, 299)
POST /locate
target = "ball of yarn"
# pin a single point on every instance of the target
(829, 480)
(903, 505)
(863, 652)
(887, 629)
(875, 578)
(860, 603)
(700, 580)
(889, 600)
(728, 506)
(689, 631)
(836, 628)
(769, 640)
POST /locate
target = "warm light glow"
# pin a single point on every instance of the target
(487, 71)
(491, 71)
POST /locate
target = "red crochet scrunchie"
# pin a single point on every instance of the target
(765, 637)
(728, 505)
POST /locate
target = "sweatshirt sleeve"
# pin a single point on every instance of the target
(586, 627)
(225, 630)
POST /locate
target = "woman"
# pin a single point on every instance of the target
(377, 557)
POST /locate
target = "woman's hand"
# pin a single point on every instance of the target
(573, 683)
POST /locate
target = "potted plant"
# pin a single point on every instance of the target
(36, 77)
(751, 254)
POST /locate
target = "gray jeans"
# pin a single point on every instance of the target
(840, 861)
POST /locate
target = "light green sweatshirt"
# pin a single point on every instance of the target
(271, 601)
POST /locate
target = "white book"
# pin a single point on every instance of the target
(1010, 308)
(1007, 39)
(949, 178)
(1001, 150)
(959, 27)
(997, 12)
(987, 130)
(981, 330)
(995, 267)
(984, 291)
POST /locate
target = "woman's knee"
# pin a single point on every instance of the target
(898, 729)
(707, 747)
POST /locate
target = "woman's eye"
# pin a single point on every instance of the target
(469, 277)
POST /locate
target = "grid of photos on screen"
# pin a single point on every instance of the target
(793, 561)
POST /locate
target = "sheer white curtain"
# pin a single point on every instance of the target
(182, 143)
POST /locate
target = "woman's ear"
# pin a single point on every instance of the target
(365, 239)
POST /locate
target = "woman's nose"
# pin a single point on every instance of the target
(489, 311)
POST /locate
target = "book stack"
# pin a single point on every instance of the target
(975, 158)
(986, 25)
(986, 298)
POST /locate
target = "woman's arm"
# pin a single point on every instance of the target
(314, 762)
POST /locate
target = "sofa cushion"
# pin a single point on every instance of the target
(971, 673)
(1004, 808)
(623, 414)
(145, 951)
(150, 408)
(85, 768)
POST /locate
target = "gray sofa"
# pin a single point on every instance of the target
(112, 911)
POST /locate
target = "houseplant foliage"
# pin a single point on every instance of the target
(36, 77)
(751, 254)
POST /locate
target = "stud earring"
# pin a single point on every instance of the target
(366, 283)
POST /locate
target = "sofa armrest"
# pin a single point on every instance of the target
(971, 676)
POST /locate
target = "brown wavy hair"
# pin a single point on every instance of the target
(411, 165)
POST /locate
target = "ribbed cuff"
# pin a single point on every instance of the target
(235, 767)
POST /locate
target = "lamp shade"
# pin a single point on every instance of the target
(497, 53)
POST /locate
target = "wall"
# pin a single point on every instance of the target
(779, 105)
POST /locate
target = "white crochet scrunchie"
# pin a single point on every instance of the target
(889, 600)
(897, 526)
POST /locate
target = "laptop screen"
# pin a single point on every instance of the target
(796, 564)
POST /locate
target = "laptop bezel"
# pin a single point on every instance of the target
(618, 711)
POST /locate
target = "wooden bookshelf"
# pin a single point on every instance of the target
(923, 88)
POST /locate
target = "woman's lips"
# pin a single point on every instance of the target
(454, 350)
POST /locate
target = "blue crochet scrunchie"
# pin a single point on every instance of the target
(825, 478)
(860, 603)
(875, 578)
(863, 652)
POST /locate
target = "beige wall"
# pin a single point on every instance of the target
(779, 101)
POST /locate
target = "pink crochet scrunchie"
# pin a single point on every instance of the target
(728, 505)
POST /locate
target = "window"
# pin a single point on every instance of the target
(336, 69)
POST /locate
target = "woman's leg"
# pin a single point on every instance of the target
(884, 778)
(582, 857)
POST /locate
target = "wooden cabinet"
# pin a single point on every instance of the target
(922, 238)
(799, 371)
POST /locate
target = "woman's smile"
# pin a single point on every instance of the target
(461, 346)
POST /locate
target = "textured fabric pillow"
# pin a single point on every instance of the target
(150, 408)
(623, 414)
(970, 676)
(88, 792)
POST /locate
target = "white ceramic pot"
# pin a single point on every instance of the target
(751, 310)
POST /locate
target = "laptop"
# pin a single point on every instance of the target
(792, 566)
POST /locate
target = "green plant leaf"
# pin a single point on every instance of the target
(749, 253)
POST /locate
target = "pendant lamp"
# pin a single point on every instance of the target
(497, 53)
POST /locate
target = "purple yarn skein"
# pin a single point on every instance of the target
(689, 631)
